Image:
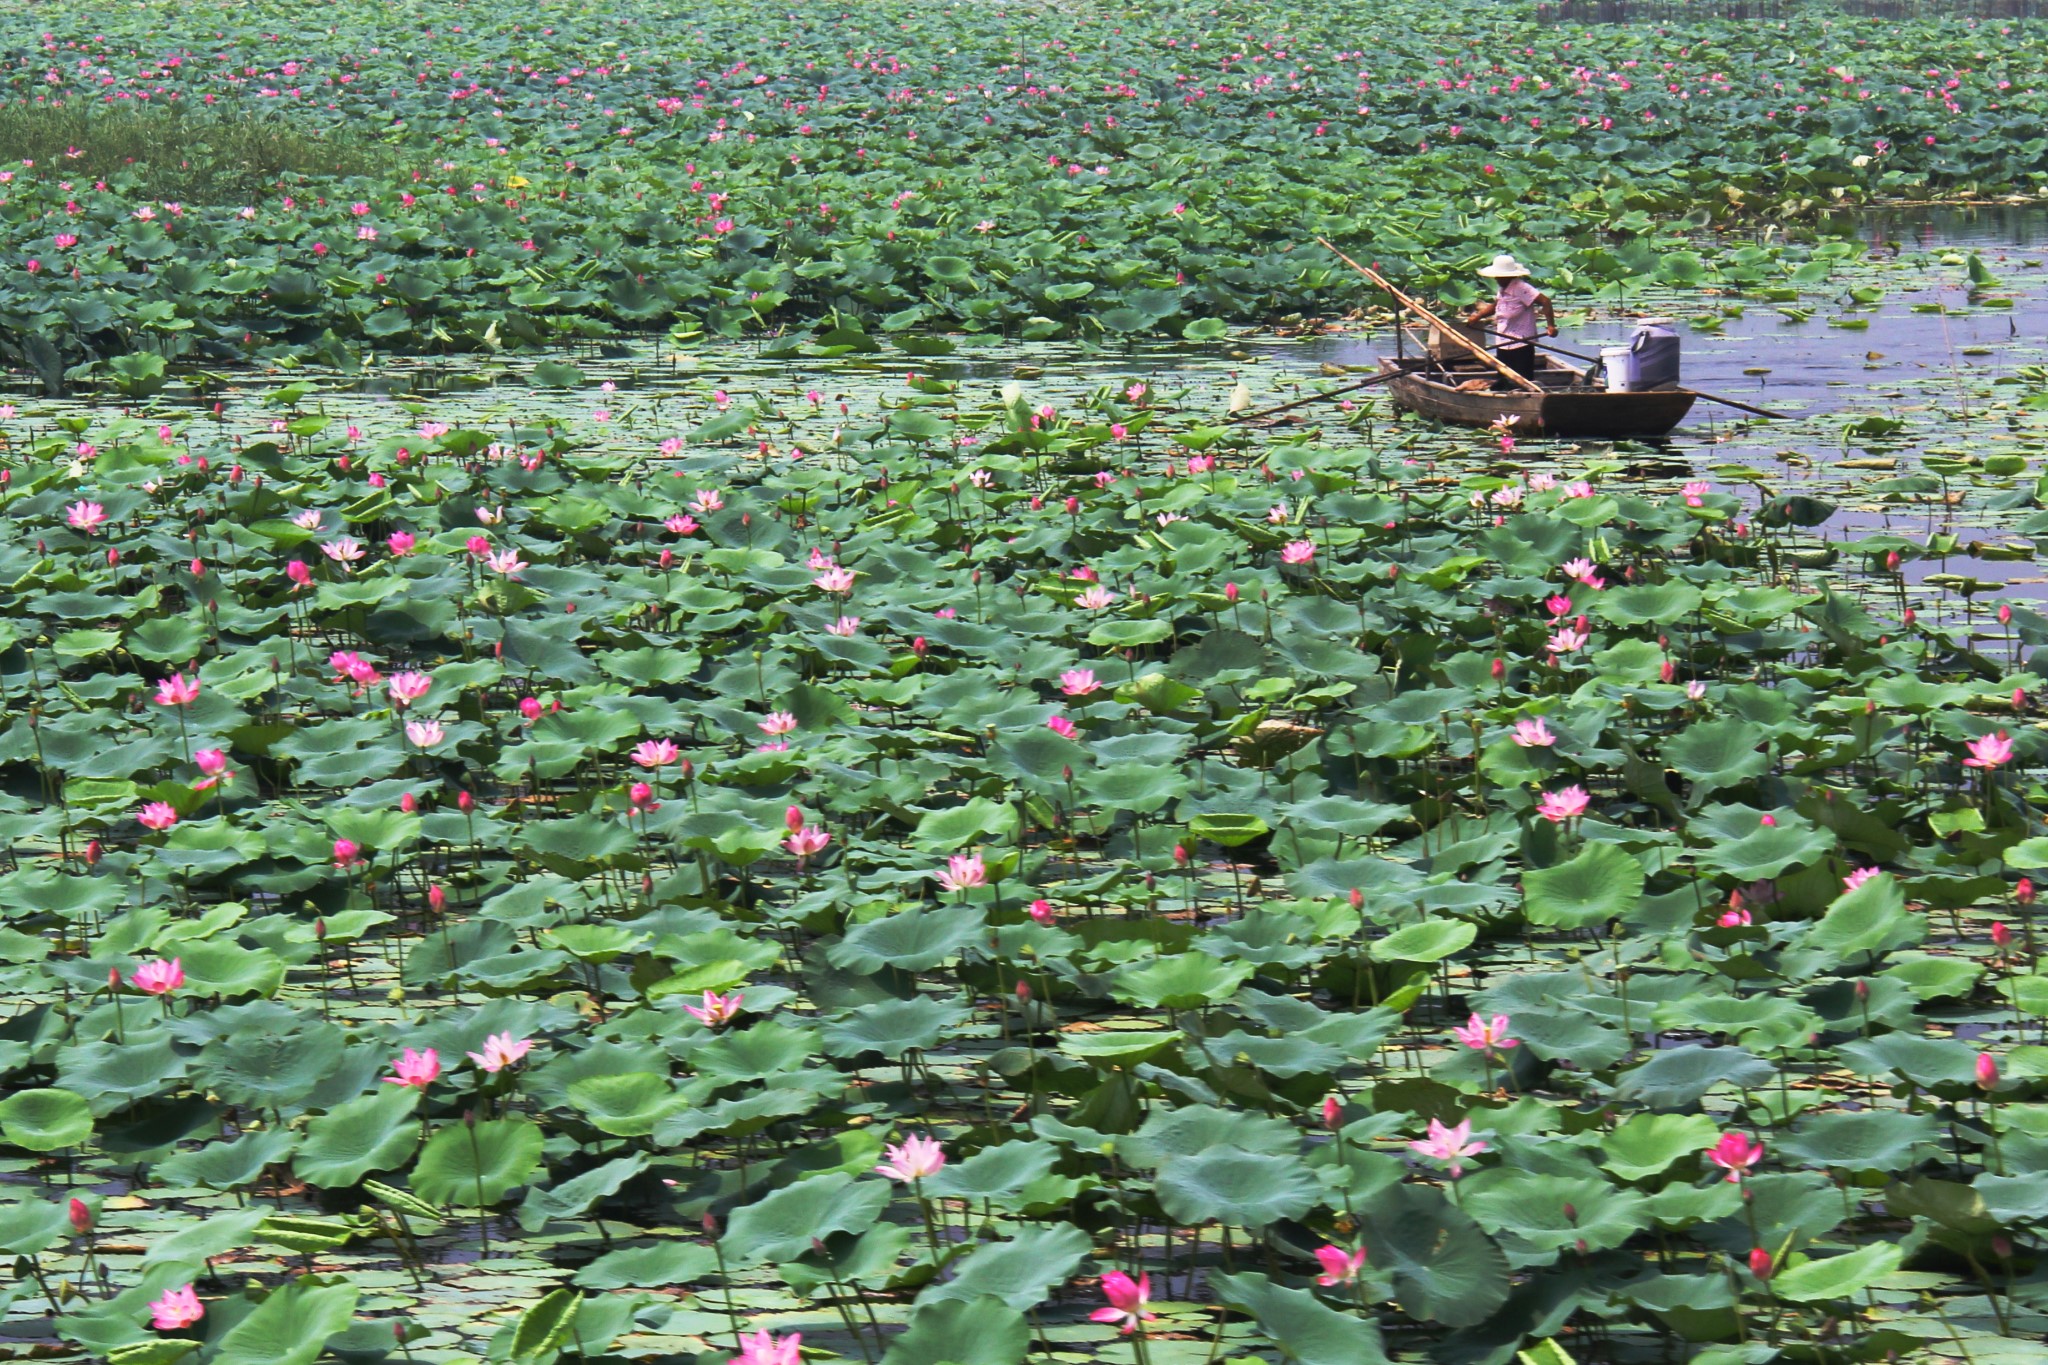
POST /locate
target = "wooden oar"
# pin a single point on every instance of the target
(1382, 377)
(1730, 402)
(1593, 359)
(1453, 333)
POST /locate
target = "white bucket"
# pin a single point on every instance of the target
(1619, 364)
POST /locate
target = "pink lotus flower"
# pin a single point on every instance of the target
(1735, 1153)
(1760, 1263)
(962, 871)
(1567, 641)
(347, 853)
(835, 580)
(1860, 876)
(1078, 682)
(343, 550)
(401, 543)
(656, 753)
(416, 1069)
(1486, 1035)
(1449, 1144)
(176, 1308)
(1987, 1072)
(763, 1349)
(913, 1159)
(212, 762)
(506, 562)
(1094, 598)
(158, 977)
(425, 733)
(1127, 1300)
(1533, 734)
(176, 690)
(1695, 491)
(84, 516)
(1989, 751)
(1297, 552)
(681, 524)
(500, 1051)
(1339, 1266)
(1734, 917)
(1560, 806)
(843, 627)
(1061, 726)
(806, 843)
(716, 1010)
(776, 723)
(158, 815)
(407, 688)
(1041, 912)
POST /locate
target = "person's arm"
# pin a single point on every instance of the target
(1549, 313)
(1480, 312)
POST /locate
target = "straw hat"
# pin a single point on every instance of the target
(1505, 267)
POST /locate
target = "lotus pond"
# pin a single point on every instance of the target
(942, 846)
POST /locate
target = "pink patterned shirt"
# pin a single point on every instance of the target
(1514, 310)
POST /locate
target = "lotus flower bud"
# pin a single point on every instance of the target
(918, 646)
(92, 852)
(2001, 1246)
(1987, 1072)
(1760, 1263)
(347, 853)
(1356, 897)
(113, 556)
(464, 802)
(2001, 937)
(1862, 989)
(793, 818)
(1891, 561)
(437, 899)
(1499, 669)
(1023, 991)
(2019, 699)
(710, 1225)
(80, 1215)
(1230, 593)
(409, 803)
(1180, 854)
(1911, 616)
(1667, 671)
(1333, 1112)
(2024, 892)
(2004, 615)
(1770, 822)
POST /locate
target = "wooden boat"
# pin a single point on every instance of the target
(1568, 406)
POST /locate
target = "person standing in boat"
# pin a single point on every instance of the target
(1513, 312)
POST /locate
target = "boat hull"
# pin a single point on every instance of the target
(1575, 412)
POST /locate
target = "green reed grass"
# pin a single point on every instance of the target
(186, 154)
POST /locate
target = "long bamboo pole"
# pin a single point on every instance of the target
(1453, 333)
